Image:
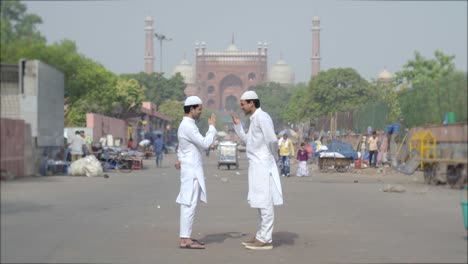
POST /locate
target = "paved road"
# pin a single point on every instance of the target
(326, 218)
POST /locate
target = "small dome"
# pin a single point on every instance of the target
(186, 70)
(232, 48)
(281, 73)
(385, 75)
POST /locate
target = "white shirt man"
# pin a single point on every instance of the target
(190, 163)
(264, 182)
(76, 146)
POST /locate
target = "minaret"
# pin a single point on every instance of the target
(149, 57)
(315, 46)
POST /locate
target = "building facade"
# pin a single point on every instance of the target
(222, 77)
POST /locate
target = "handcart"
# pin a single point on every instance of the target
(337, 163)
(228, 154)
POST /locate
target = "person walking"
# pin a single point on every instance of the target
(77, 145)
(158, 148)
(286, 151)
(263, 177)
(302, 157)
(372, 149)
(190, 163)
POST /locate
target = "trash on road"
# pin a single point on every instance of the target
(393, 188)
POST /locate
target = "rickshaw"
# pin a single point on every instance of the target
(228, 154)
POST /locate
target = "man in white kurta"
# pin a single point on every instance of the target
(192, 180)
(264, 182)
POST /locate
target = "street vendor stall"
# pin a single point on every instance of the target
(337, 155)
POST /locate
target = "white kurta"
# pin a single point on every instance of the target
(262, 165)
(189, 153)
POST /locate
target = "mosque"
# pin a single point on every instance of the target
(221, 77)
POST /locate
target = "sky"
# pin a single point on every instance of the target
(365, 35)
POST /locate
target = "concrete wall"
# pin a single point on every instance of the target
(42, 102)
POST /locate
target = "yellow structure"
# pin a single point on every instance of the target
(425, 143)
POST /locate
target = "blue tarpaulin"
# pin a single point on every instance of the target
(343, 148)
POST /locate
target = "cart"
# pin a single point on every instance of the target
(339, 164)
(228, 154)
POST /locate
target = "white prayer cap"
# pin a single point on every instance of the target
(193, 100)
(249, 95)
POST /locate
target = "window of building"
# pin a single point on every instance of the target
(211, 76)
(211, 102)
(251, 76)
(211, 89)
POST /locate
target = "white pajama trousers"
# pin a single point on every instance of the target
(187, 212)
(265, 224)
(266, 219)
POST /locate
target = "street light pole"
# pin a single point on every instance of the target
(161, 38)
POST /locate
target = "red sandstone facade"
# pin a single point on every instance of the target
(222, 77)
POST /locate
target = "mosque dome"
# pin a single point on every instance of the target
(281, 73)
(186, 70)
(232, 48)
(385, 75)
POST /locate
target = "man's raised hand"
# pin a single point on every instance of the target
(212, 120)
(235, 118)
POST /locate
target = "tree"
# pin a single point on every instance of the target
(421, 70)
(435, 87)
(158, 88)
(174, 109)
(388, 95)
(297, 109)
(338, 90)
(19, 35)
(273, 100)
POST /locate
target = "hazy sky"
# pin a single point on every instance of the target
(364, 35)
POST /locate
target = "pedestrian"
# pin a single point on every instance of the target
(310, 151)
(130, 143)
(87, 141)
(158, 148)
(286, 151)
(264, 182)
(190, 163)
(302, 157)
(77, 144)
(383, 149)
(372, 142)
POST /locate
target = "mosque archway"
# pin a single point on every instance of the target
(231, 103)
(230, 88)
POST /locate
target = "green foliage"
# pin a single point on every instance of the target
(158, 88)
(19, 36)
(298, 109)
(173, 109)
(387, 94)
(431, 88)
(273, 100)
(427, 104)
(421, 71)
(338, 90)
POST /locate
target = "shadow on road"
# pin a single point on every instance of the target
(220, 237)
(279, 238)
(284, 238)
